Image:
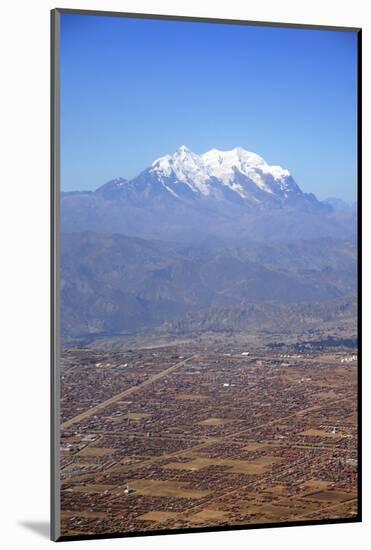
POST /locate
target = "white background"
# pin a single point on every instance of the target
(24, 233)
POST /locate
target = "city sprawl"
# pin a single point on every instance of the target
(189, 436)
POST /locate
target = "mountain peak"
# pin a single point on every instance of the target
(184, 149)
(245, 173)
(112, 187)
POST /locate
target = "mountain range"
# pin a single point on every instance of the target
(216, 241)
(226, 194)
(113, 283)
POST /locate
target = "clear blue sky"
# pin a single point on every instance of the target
(134, 90)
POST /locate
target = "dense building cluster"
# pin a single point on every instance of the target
(179, 437)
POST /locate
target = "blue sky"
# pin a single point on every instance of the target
(134, 90)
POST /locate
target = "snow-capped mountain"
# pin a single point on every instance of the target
(192, 239)
(236, 176)
(216, 172)
(225, 193)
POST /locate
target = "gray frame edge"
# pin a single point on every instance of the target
(203, 19)
(54, 282)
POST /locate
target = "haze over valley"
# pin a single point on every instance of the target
(194, 241)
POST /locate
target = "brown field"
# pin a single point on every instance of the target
(320, 433)
(237, 466)
(207, 515)
(317, 484)
(160, 488)
(95, 451)
(137, 416)
(331, 496)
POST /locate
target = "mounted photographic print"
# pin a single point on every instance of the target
(205, 310)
